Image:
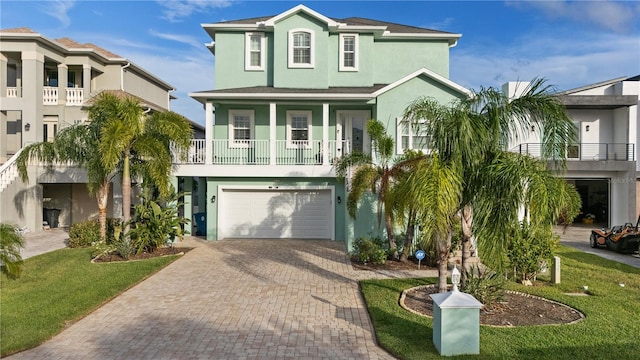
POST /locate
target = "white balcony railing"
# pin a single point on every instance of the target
(12, 92)
(75, 96)
(9, 171)
(258, 152)
(50, 95)
(586, 151)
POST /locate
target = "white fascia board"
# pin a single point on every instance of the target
(451, 38)
(239, 27)
(281, 96)
(293, 10)
(428, 73)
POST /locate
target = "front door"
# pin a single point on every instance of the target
(351, 129)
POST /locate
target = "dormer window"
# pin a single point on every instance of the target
(254, 53)
(301, 44)
(348, 52)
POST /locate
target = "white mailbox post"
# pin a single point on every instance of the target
(456, 321)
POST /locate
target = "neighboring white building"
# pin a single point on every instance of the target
(44, 84)
(603, 164)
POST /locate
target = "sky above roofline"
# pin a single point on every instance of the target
(569, 43)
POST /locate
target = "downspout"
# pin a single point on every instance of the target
(122, 75)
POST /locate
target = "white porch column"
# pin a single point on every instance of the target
(86, 82)
(208, 133)
(3, 71)
(63, 82)
(272, 134)
(325, 134)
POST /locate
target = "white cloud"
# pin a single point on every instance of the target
(176, 10)
(565, 62)
(189, 40)
(618, 16)
(59, 9)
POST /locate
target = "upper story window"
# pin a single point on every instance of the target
(301, 48)
(298, 128)
(412, 136)
(348, 52)
(51, 77)
(255, 49)
(241, 128)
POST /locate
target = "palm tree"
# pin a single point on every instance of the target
(10, 243)
(137, 143)
(75, 145)
(474, 134)
(375, 175)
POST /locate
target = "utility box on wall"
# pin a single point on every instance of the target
(456, 323)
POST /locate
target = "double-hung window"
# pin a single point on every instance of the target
(412, 136)
(241, 128)
(254, 51)
(348, 52)
(298, 129)
(301, 48)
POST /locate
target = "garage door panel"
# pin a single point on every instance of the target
(277, 214)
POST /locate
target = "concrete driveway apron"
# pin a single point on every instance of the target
(232, 299)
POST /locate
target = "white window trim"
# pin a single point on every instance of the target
(308, 114)
(247, 53)
(311, 50)
(400, 122)
(356, 55)
(232, 114)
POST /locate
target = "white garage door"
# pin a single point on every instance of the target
(300, 214)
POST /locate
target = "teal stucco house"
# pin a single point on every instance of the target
(292, 94)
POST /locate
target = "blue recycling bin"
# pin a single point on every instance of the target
(201, 223)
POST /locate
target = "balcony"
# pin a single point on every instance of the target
(75, 96)
(263, 152)
(586, 151)
(50, 95)
(12, 92)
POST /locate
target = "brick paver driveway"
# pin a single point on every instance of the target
(232, 299)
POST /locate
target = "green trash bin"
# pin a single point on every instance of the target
(201, 223)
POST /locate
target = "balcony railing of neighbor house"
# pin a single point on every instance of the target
(258, 152)
(50, 95)
(12, 92)
(586, 151)
(75, 96)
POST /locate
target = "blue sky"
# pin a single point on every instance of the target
(569, 43)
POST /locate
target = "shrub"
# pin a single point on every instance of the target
(370, 250)
(528, 248)
(155, 225)
(10, 243)
(84, 234)
(485, 285)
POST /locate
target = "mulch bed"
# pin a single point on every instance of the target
(164, 251)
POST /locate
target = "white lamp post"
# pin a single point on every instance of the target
(455, 277)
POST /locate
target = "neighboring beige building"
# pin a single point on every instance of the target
(44, 84)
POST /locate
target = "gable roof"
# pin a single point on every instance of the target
(426, 72)
(380, 29)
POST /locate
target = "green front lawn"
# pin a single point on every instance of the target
(611, 329)
(60, 287)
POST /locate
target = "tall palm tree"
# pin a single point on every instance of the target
(10, 244)
(74, 145)
(475, 132)
(375, 175)
(138, 143)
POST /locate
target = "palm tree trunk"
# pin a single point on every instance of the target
(126, 194)
(408, 240)
(443, 247)
(103, 198)
(467, 222)
(392, 239)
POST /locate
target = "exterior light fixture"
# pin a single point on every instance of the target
(339, 199)
(213, 199)
(587, 128)
(27, 126)
(455, 277)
